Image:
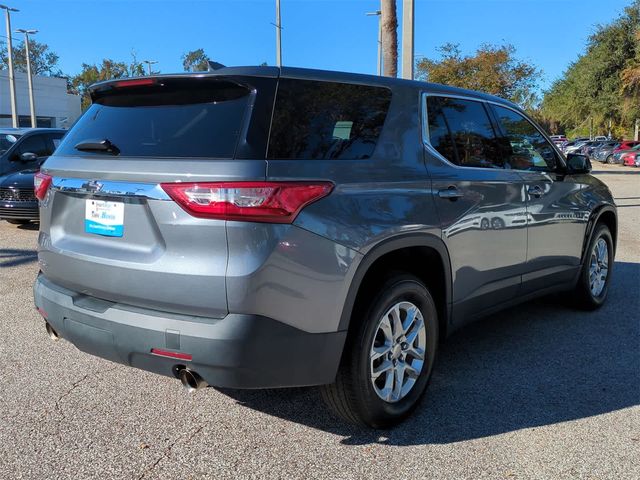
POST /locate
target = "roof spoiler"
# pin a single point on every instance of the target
(214, 65)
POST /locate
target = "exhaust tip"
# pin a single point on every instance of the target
(53, 335)
(190, 380)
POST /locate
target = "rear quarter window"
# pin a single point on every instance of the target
(327, 120)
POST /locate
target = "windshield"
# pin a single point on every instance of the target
(188, 119)
(7, 141)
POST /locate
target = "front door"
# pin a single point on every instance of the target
(557, 217)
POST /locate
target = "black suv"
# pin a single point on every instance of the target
(22, 151)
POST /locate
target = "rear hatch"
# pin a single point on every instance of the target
(109, 229)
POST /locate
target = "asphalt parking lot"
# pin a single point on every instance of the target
(539, 391)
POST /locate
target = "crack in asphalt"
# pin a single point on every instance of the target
(75, 385)
(167, 452)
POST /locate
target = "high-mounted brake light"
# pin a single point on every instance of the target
(270, 202)
(41, 182)
(139, 82)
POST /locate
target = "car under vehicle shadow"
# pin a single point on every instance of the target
(537, 364)
(11, 257)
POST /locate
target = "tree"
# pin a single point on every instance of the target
(43, 60)
(107, 70)
(601, 86)
(389, 19)
(492, 69)
(195, 61)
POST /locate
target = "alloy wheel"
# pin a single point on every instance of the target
(398, 351)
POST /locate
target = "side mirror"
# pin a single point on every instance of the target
(577, 163)
(28, 157)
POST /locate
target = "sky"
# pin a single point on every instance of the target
(325, 34)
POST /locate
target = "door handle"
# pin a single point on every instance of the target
(451, 193)
(535, 191)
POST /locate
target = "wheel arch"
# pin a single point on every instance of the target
(602, 214)
(429, 248)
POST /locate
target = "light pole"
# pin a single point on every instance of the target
(32, 105)
(408, 9)
(378, 14)
(278, 35)
(149, 63)
(12, 77)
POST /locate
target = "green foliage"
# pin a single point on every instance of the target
(107, 70)
(493, 69)
(43, 60)
(603, 84)
(195, 61)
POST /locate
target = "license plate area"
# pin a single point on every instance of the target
(104, 217)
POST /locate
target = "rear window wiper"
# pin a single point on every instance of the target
(103, 145)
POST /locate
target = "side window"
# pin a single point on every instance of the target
(326, 120)
(54, 141)
(462, 132)
(34, 144)
(526, 148)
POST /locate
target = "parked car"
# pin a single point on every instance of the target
(601, 138)
(630, 159)
(574, 147)
(558, 139)
(22, 151)
(263, 227)
(589, 147)
(620, 152)
(600, 153)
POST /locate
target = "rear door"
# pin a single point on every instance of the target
(557, 215)
(108, 228)
(481, 205)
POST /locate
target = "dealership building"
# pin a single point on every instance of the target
(54, 106)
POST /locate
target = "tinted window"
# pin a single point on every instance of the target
(462, 132)
(326, 120)
(34, 144)
(175, 119)
(55, 139)
(7, 141)
(526, 147)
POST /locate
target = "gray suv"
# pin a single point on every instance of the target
(264, 227)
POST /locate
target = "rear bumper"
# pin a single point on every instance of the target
(19, 210)
(238, 351)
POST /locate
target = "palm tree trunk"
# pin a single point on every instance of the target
(389, 37)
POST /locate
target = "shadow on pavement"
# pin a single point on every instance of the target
(533, 365)
(13, 257)
(29, 226)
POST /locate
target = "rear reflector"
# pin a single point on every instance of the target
(271, 202)
(42, 312)
(167, 353)
(41, 182)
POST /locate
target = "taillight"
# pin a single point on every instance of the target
(271, 202)
(41, 182)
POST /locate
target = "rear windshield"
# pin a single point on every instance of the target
(327, 120)
(174, 118)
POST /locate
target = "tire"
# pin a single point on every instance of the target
(17, 222)
(355, 396)
(586, 297)
(609, 160)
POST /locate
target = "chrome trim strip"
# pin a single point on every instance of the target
(109, 188)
